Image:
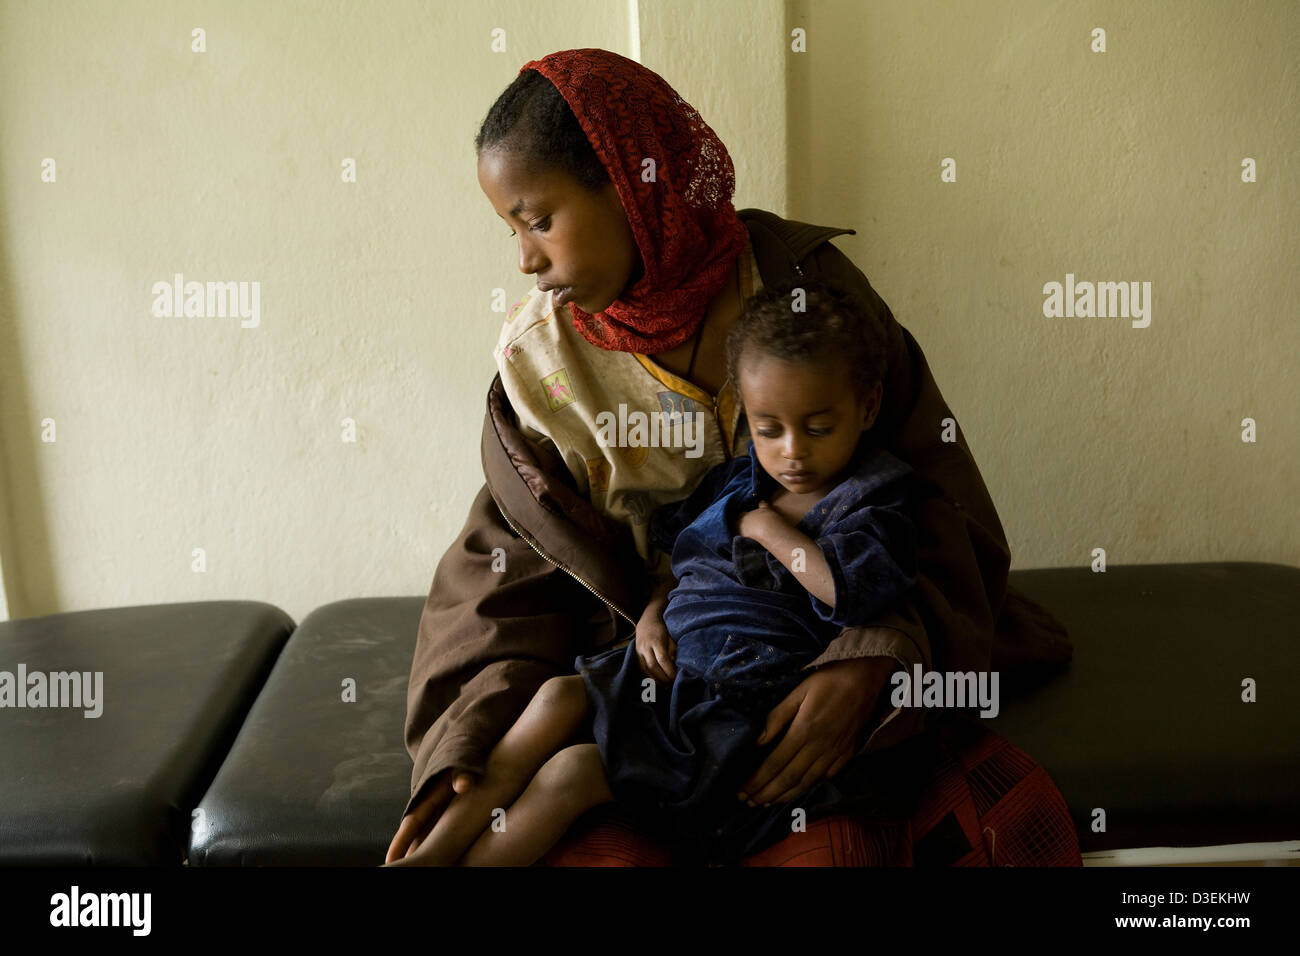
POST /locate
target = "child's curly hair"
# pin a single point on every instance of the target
(833, 326)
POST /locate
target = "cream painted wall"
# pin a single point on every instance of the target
(183, 433)
(1123, 165)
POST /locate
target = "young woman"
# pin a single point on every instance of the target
(620, 198)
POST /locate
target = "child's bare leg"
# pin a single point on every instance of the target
(549, 720)
(567, 786)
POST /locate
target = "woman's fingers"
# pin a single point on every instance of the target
(417, 824)
(779, 791)
(839, 764)
(410, 831)
(397, 847)
(814, 774)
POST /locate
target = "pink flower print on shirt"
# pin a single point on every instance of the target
(558, 390)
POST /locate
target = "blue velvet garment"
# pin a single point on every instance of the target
(744, 628)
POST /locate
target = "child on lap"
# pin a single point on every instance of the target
(772, 554)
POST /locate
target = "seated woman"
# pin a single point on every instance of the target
(638, 259)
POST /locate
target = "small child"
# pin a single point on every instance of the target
(773, 554)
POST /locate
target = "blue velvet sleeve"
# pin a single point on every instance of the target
(668, 521)
(871, 552)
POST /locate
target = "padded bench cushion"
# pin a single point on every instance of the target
(1148, 722)
(117, 789)
(314, 780)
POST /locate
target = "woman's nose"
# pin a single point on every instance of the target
(530, 262)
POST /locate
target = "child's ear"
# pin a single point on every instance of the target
(871, 406)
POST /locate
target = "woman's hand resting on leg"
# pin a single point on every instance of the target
(826, 714)
(415, 826)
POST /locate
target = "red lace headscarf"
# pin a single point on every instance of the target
(685, 227)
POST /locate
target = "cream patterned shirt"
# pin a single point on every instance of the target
(633, 435)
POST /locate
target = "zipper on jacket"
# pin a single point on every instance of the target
(561, 565)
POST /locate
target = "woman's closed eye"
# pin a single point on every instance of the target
(538, 226)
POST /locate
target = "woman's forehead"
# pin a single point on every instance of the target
(515, 170)
(517, 188)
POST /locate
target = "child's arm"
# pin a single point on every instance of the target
(855, 571)
(766, 526)
(662, 582)
(654, 610)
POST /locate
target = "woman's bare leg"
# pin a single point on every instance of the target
(566, 787)
(551, 718)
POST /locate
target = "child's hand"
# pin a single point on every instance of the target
(753, 524)
(656, 650)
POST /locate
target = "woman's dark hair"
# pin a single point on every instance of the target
(833, 327)
(532, 121)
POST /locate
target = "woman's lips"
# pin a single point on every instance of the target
(562, 294)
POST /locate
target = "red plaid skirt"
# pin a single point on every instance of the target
(987, 804)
